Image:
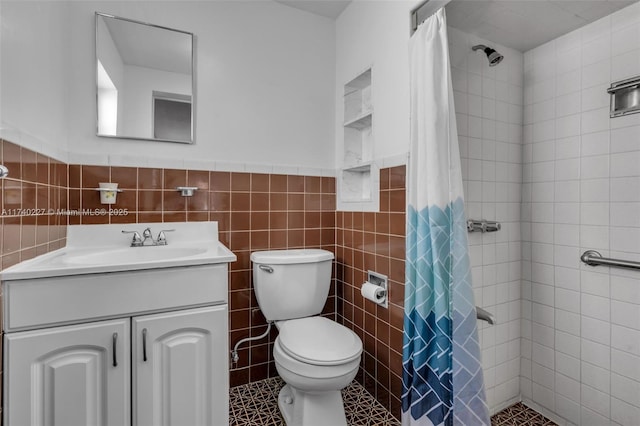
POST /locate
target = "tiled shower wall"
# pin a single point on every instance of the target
(376, 242)
(581, 191)
(488, 102)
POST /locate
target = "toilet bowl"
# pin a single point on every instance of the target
(316, 357)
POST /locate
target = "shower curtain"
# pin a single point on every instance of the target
(442, 373)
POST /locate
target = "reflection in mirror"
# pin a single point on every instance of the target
(144, 81)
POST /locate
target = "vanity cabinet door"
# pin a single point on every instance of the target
(180, 368)
(66, 376)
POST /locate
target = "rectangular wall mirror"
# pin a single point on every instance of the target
(145, 82)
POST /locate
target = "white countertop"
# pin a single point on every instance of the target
(95, 249)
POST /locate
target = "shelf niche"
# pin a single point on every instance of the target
(356, 184)
(358, 118)
(356, 174)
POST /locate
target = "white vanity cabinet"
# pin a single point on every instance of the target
(179, 366)
(72, 375)
(114, 335)
(172, 370)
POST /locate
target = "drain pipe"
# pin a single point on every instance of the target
(234, 353)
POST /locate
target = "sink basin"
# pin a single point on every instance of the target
(132, 255)
(95, 249)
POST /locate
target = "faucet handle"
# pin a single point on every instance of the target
(162, 238)
(147, 233)
(136, 241)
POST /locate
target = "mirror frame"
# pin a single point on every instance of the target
(193, 81)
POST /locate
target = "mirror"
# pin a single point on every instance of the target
(144, 81)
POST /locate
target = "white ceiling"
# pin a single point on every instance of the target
(519, 24)
(328, 8)
(525, 24)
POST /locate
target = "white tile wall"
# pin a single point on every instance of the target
(580, 346)
(488, 103)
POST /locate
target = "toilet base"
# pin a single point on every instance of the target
(311, 409)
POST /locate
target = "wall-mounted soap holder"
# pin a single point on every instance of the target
(108, 192)
(482, 225)
(625, 97)
(187, 191)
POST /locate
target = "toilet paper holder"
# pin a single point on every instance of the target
(381, 281)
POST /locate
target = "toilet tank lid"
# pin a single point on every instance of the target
(282, 257)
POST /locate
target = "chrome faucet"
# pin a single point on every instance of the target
(137, 239)
(140, 241)
(146, 235)
(162, 238)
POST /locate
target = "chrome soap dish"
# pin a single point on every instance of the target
(625, 97)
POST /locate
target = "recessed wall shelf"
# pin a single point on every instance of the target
(361, 122)
(356, 174)
(356, 184)
(358, 168)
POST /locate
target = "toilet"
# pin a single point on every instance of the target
(316, 357)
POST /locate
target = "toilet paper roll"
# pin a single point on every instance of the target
(373, 292)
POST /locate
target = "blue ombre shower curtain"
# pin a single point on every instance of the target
(442, 373)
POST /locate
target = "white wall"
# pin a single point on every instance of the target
(375, 34)
(488, 103)
(265, 83)
(34, 63)
(264, 80)
(581, 191)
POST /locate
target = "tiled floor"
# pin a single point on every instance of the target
(256, 404)
(520, 415)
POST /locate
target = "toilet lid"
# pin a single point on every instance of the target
(319, 341)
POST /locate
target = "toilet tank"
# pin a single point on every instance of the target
(291, 283)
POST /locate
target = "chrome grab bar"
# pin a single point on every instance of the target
(484, 315)
(593, 258)
(483, 225)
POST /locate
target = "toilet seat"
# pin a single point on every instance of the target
(319, 341)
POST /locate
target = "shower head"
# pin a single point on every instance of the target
(494, 57)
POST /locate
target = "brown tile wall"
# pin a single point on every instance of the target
(30, 198)
(254, 212)
(375, 241)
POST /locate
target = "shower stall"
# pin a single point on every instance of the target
(544, 155)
